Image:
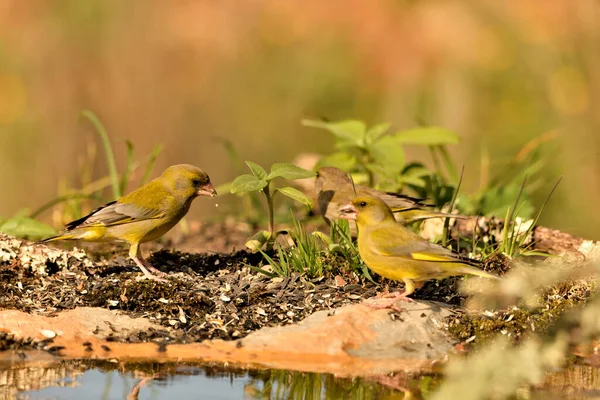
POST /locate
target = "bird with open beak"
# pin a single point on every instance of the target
(143, 215)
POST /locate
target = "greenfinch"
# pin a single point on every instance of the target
(144, 214)
(395, 252)
(334, 188)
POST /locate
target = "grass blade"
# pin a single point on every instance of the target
(129, 168)
(110, 156)
(150, 164)
(447, 220)
(61, 199)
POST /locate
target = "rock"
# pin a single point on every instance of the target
(360, 331)
(80, 322)
(348, 341)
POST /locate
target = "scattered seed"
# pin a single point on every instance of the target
(182, 317)
(48, 333)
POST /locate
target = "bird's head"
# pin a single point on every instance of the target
(188, 181)
(366, 210)
(330, 178)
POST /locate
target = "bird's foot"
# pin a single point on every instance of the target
(146, 267)
(395, 296)
(391, 303)
(154, 270)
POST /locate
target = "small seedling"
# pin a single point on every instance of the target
(304, 256)
(340, 242)
(260, 181)
(516, 230)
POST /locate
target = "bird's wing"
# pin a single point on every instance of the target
(115, 213)
(398, 201)
(138, 205)
(391, 242)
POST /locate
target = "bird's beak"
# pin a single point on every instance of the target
(207, 190)
(348, 212)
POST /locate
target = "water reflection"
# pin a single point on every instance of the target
(107, 381)
(113, 380)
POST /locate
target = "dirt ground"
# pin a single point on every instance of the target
(214, 290)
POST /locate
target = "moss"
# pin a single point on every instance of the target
(519, 321)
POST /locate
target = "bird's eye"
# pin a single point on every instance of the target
(362, 203)
(196, 182)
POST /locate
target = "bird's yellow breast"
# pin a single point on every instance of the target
(388, 267)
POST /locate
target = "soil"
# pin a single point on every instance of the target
(209, 295)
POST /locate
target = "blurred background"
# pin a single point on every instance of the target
(183, 74)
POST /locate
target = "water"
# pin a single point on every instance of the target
(99, 384)
(107, 381)
(103, 380)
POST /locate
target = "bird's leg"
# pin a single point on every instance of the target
(152, 269)
(386, 291)
(136, 256)
(410, 287)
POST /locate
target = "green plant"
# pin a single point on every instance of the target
(340, 242)
(379, 153)
(119, 183)
(516, 230)
(23, 226)
(260, 181)
(304, 256)
(500, 182)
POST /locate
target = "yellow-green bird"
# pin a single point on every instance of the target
(334, 189)
(394, 252)
(144, 214)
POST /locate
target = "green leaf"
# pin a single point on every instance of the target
(247, 183)
(341, 160)
(289, 171)
(412, 180)
(347, 146)
(296, 195)
(257, 170)
(25, 227)
(388, 152)
(414, 174)
(428, 136)
(376, 132)
(258, 240)
(350, 129)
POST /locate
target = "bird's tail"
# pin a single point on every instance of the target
(58, 237)
(478, 272)
(417, 214)
(435, 214)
